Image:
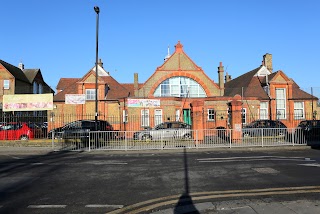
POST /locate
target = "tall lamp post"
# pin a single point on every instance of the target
(97, 10)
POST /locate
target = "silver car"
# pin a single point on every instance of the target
(165, 130)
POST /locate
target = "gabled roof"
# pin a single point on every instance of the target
(31, 74)
(277, 74)
(116, 90)
(179, 60)
(15, 71)
(66, 82)
(249, 84)
(70, 85)
(68, 89)
(298, 94)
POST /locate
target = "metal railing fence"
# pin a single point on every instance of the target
(208, 138)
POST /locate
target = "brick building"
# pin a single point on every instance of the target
(18, 80)
(180, 90)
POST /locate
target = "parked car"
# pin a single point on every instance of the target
(80, 129)
(16, 131)
(264, 128)
(308, 131)
(37, 130)
(164, 131)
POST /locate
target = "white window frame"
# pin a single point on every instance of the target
(244, 116)
(157, 116)
(299, 111)
(125, 115)
(145, 120)
(211, 114)
(6, 84)
(264, 110)
(281, 111)
(179, 86)
(177, 114)
(90, 94)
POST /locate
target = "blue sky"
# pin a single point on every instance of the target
(59, 36)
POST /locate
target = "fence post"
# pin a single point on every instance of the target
(230, 132)
(125, 141)
(262, 137)
(197, 140)
(292, 137)
(52, 140)
(89, 140)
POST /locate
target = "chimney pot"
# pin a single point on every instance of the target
(100, 63)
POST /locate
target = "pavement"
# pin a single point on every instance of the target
(248, 207)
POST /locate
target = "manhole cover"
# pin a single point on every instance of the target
(266, 170)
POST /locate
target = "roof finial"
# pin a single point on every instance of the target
(179, 47)
(168, 55)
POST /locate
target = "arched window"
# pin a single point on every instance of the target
(179, 87)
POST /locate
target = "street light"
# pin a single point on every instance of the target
(97, 10)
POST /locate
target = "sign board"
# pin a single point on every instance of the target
(150, 103)
(28, 102)
(75, 99)
(237, 127)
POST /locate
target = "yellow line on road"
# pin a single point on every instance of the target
(170, 200)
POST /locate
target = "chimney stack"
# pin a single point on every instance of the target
(267, 61)
(21, 66)
(227, 78)
(220, 76)
(136, 84)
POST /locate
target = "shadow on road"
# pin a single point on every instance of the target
(185, 203)
(21, 175)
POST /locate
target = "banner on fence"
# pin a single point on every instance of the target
(75, 99)
(143, 103)
(28, 102)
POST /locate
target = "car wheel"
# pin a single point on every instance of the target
(187, 136)
(146, 137)
(24, 137)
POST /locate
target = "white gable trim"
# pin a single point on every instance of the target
(101, 71)
(263, 71)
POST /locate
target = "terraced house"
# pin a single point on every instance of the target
(179, 90)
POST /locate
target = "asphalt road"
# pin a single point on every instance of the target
(40, 181)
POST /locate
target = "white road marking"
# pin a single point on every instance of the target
(46, 206)
(14, 157)
(249, 157)
(310, 164)
(104, 206)
(258, 159)
(109, 163)
(266, 170)
(37, 163)
(253, 158)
